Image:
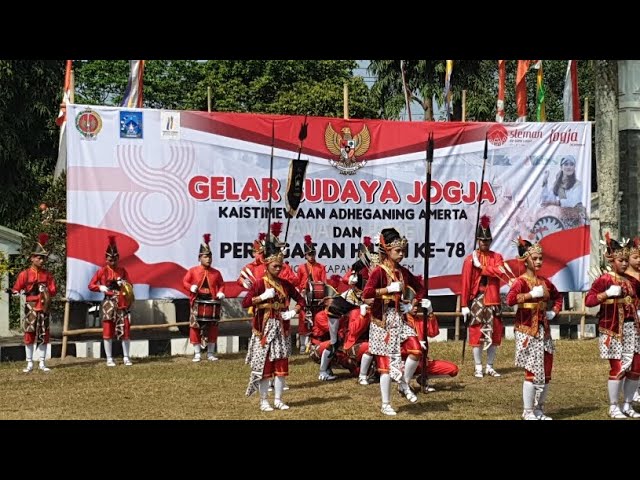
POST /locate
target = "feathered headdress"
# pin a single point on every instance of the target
(204, 246)
(526, 248)
(112, 247)
(615, 249)
(39, 249)
(309, 246)
(258, 245)
(484, 230)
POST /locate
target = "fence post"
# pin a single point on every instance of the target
(457, 321)
(584, 316)
(65, 327)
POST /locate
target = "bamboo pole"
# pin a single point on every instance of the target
(65, 326)
(72, 86)
(464, 105)
(209, 99)
(586, 109)
(583, 317)
(83, 331)
(457, 327)
(346, 101)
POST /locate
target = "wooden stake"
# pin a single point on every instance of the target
(586, 109)
(65, 326)
(346, 101)
(209, 99)
(457, 320)
(464, 105)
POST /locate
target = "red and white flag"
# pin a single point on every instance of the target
(570, 97)
(501, 81)
(66, 96)
(521, 89)
(133, 93)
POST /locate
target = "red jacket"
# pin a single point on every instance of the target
(471, 277)
(531, 312)
(196, 276)
(358, 330)
(610, 311)
(285, 291)
(108, 276)
(318, 274)
(379, 278)
(28, 281)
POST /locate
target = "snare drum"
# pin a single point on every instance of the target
(208, 310)
(318, 291)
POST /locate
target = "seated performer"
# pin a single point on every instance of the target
(206, 289)
(329, 327)
(617, 294)
(534, 347)
(269, 345)
(111, 280)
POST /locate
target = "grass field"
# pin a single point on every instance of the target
(175, 388)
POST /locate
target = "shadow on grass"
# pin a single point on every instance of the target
(571, 413)
(426, 405)
(317, 401)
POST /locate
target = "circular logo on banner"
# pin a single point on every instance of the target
(497, 135)
(89, 123)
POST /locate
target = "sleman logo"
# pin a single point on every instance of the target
(497, 135)
(347, 148)
(89, 123)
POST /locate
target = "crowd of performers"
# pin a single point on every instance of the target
(367, 322)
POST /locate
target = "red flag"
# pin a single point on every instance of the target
(521, 89)
(501, 81)
(570, 97)
(66, 96)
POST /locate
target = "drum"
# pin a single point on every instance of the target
(317, 291)
(208, 310)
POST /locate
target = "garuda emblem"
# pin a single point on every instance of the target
(348, 148)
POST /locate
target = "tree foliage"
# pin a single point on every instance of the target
(258, 86)
(30, 94)
(425, 80)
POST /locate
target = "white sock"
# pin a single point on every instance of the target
(542, 398)
(365, 363)
(42, 352)
(477, 357)
(324, 361)
(614, 391)
(29, 352)
(197, 349)
(211, 349)
(126, 344)
(528, 395)
(334, 323)
(491, 355)
(385, 387)
(303, 341)
(278, 386)
(107, 349)
(629, 388)
(263, 388)
(410, 367)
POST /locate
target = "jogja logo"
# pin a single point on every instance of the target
(89, 123)
(497, 135)
(348, 148)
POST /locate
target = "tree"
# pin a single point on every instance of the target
(425, 80)
(295, 87)
(30, 94)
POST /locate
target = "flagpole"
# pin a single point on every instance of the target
(301, 136)
(427, 251)
(475, 241)
(345, 97)
(273, 141)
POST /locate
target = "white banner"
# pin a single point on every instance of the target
(160, 180)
